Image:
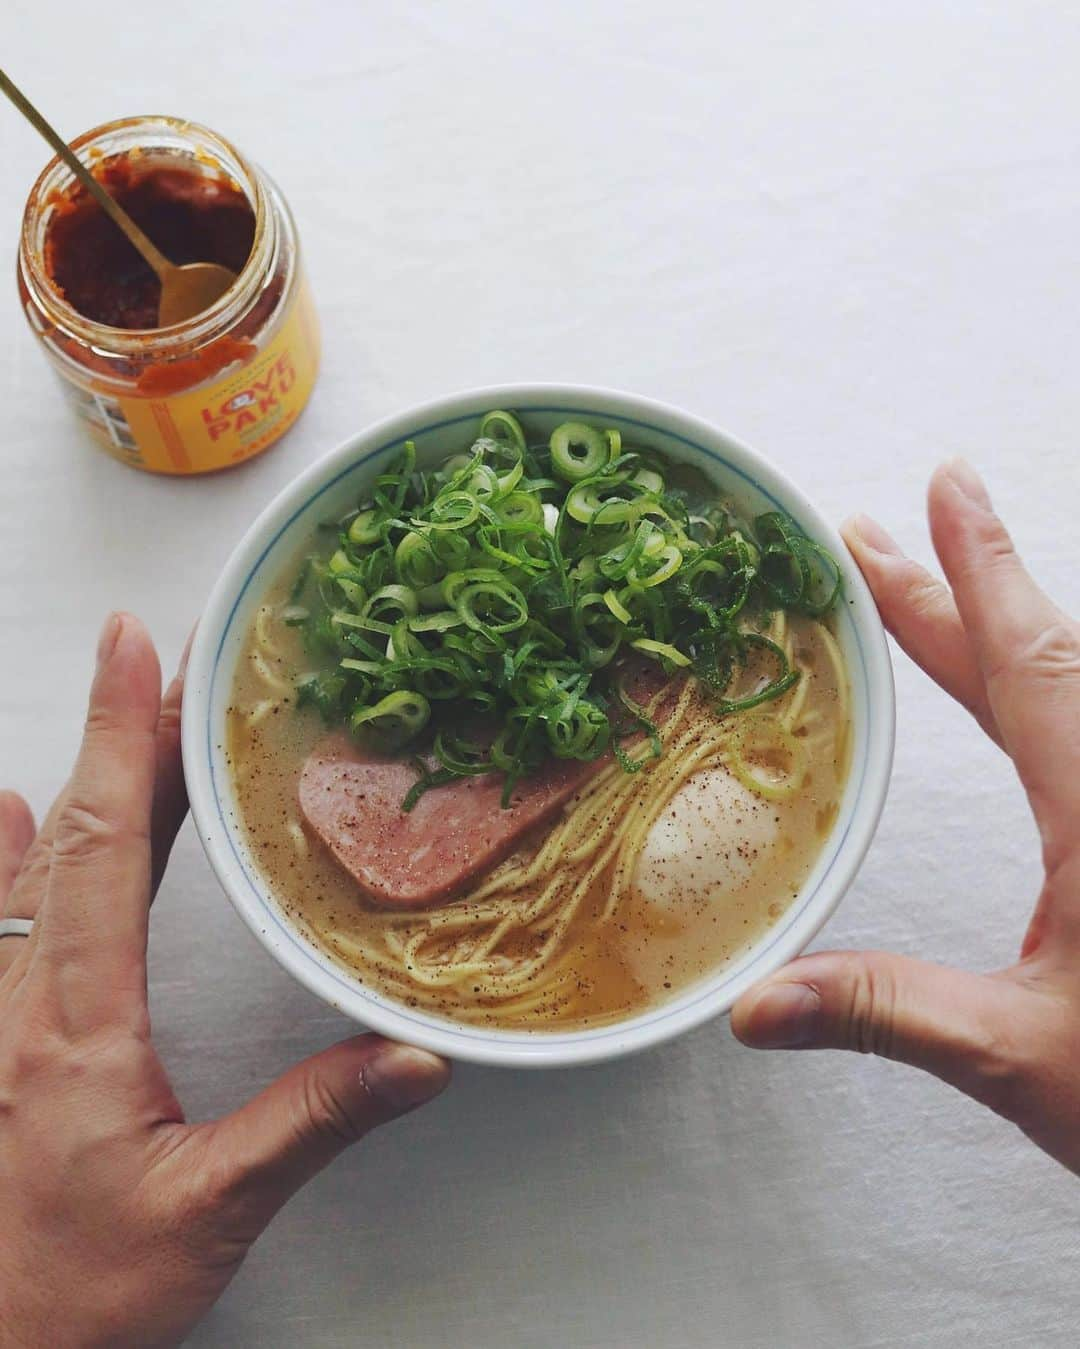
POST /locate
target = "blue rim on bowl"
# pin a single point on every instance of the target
(270, 544)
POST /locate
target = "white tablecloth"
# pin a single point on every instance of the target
(848, 232)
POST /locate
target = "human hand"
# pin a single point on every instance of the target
(1002, 649)
(120, 1224)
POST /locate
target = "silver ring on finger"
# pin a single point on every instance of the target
(16, 927)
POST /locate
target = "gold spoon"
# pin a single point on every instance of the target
(185, 291)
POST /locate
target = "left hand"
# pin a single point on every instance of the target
(120, 1223)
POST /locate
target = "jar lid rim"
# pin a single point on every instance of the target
(188, 138)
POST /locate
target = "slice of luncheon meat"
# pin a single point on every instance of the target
(351, 800)
(454, 833)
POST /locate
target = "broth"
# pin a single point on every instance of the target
(719, 866)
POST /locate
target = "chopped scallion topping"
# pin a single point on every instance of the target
(481, 612)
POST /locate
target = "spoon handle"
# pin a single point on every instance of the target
(157, 260)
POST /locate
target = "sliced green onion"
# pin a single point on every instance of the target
(321, 690)
(648, 479)
(505, 427)
(662, 651)
(464, 758)
(392, 600)
(580, 730)
(492, 607)
(639, 720)
(361, 644)
(454, 510)
(366, 527)
(615, 511)
(510, 479)
(342, 619)
(621, 612)
(785, 679)
(521, 508)
(621, 560)
(416, 562)
(402, 644)
(578, 451)
(451, 549)
(482, 482)
(507, 584)
(585, 503)
(798, 573)
(456, 581)
(442, 621)
(424, 783)
(394, 720)
(353, 591)
(670, 562)
(599, 636)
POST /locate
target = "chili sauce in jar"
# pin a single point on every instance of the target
(196, 396)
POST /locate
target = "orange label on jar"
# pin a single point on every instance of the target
(218, 424)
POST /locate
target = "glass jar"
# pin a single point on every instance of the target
(200, 395)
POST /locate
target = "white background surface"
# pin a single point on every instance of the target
(848, 232)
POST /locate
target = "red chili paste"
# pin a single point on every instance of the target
(191, 216)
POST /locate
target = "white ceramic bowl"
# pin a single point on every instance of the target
(332, 485)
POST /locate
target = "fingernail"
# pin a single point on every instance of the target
(788, 1016)
(969, 483)
(875, 536)
(107, 641)
(402, 1077)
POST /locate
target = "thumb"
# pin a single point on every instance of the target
(269, 1148)
(964, 1028)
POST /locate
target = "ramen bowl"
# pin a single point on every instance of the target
(328, 488)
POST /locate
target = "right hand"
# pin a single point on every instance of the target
(120, 1222)
(1012, 658)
